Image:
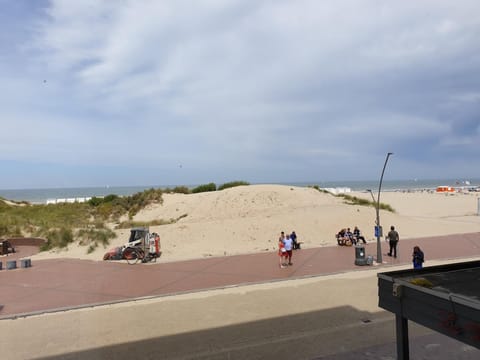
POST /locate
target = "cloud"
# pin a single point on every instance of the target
(246, 88)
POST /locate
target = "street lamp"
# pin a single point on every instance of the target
(373, 198)
(377, 208)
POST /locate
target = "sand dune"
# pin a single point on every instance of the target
(248, 219)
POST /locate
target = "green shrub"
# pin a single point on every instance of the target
(3, 204)
(30, 217)
(232, 184)
(10, 227)
(104, 211)
(204, 188)
(17, 232)
(110, 198)
(181, 190)
(138, 201)
(95, 201)
(46, 246)
(112, 207)
(57, 238)
(95, 236)
(3, 229)
(57, 222)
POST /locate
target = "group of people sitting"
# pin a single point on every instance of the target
(6, 247)
(349, 238)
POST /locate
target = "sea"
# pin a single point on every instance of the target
(42, 196)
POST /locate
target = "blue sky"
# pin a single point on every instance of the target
(188, 92)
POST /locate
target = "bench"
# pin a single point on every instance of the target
(343, 241)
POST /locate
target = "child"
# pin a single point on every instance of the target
(418, 258)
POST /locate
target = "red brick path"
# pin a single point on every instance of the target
(51, 285)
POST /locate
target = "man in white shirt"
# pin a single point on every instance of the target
(288, 242)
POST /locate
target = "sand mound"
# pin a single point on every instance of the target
(249, 219)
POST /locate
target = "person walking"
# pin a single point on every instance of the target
(418, 258)
(393, 239)
(288, 243)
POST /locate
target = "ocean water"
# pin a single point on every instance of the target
(40, 196)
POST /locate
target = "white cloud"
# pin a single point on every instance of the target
(246, 82)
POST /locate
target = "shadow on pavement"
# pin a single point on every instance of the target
(338, 333)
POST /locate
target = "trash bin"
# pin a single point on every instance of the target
(360, 258)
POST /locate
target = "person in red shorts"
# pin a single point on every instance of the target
(288, 243)
(282, 253)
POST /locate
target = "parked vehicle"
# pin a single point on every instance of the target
(142, 246)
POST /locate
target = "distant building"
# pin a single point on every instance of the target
(339, 190)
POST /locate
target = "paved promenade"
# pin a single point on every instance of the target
(52, 285)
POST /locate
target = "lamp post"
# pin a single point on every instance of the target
(377, 209)
(373, 198)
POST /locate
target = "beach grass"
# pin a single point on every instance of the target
(178, 190)
(232, 184)
(157, 222)
(62, 224)
(353, 200)
(318, 188)
(85, 223)
(204, 188)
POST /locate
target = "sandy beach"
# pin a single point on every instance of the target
(248, 219)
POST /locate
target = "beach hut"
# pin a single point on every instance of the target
(445, 189)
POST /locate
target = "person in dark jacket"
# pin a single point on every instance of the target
(418, 258)
(358, 236)
(296, 244)
(393, 239)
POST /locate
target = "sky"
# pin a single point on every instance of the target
(147, 92)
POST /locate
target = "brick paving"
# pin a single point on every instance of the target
(59, 284)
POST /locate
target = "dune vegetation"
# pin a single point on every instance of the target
(353, 200)
(61, 224)
(90, 223)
